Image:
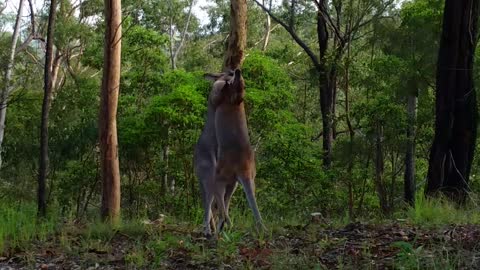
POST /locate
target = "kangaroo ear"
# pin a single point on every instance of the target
(212, 76)
(238, 73)
(237, 78)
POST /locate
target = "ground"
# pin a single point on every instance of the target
(387, 245)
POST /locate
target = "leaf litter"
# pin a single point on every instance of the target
(357, 245)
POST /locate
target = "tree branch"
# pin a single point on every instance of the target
(32, 16)
(293, 34)
(177, 51)
(361, 23)
(263, 38)
(328, 18)
(33, 33)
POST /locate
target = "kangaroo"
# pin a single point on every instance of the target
(205, 155)
(235, 157)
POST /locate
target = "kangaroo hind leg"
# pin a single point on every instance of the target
(230, 189)
(249, 189)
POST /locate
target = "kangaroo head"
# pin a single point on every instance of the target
(228, 87)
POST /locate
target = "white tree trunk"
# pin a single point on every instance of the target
(8, 77)
(268, 24)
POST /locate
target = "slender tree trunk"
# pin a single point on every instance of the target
(8, 77)
(174, 52)
(351, 134)
(379, 170)
(268, 25)
(57, 60)
(332, 79)
(43, 168)
(166, 148)
(184, 35)
(238, 35)
(453, 147)
(172, 45)
(333, 90)
(110, 170)
(409, 178)
(364, 185)
(326, 95)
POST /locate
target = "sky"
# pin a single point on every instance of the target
(199, 12)
(198, 8)
(12, 7)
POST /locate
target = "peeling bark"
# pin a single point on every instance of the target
(238, 35)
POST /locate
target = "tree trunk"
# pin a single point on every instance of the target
(57, 60)
(238, 35)
(409, 178)
(351, 134)
(332, 79)
(43, 167)
(453, 147)
(172, 45)
(379, 169)
(326, 95)
(8, 77)
(166, 148)
(110, 170)
(184, 35)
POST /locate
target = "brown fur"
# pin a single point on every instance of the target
(235, 156)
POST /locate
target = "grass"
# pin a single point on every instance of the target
(19, 226)
(287, 243)
(440, 211)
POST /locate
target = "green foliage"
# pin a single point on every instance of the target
(180, 109)
(136, 258)
(18, 227)
(143, 60)
(408, 257)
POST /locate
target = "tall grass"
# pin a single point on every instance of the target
(19, 226)
(441, 211)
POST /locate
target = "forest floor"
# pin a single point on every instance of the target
(393, 245)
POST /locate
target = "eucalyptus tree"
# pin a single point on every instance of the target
(456, 113)
(48, 69)
(110, 169)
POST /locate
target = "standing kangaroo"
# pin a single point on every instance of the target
(235, 157)
(223, 155)
(205, 155)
